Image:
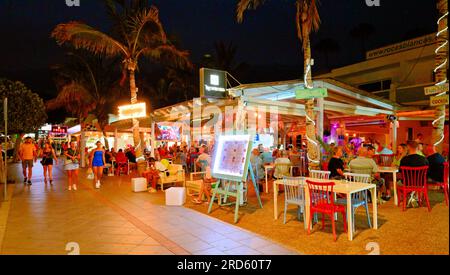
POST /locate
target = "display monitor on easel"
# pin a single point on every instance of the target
(231, 157)
(231, 165)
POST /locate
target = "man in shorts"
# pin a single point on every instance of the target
(28, 155)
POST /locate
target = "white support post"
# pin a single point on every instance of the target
(152, 139)
(320, 117)
(116, 140)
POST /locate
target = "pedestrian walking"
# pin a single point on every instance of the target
(97, 163)
(48, 155)
(28, 155)
(71, 165)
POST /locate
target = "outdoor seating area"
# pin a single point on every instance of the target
(362, 171)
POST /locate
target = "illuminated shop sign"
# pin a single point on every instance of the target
(213, 83)
(132, 111)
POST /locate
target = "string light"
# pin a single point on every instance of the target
(312, 140)
(438, 67)
(305, 79)
(310, 86)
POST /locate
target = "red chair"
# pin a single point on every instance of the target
(322, 201)
(414, 179)
(385, 160)
(122, 167)
(443, 184)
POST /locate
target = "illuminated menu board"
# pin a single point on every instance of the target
(231, 157)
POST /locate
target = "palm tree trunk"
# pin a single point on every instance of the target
(136, 136)
(105, 138)
(441, 75)
(309, 109)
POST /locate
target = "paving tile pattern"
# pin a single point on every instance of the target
(43, 219)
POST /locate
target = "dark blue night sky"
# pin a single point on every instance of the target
(267, 35)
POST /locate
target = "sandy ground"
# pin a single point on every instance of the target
(415, 231)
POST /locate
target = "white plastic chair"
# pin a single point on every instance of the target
(294, 193)
(359, 198)
(318, 174)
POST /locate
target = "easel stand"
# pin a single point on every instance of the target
(223, 189)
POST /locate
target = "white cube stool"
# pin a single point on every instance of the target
(176, 196)
(138, 184)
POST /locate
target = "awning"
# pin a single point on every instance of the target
(342, 99)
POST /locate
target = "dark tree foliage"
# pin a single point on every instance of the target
(26, 110)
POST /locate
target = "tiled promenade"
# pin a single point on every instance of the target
(43, 219)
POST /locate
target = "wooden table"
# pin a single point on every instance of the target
(343, 188)
(267, 167)
(393, 170)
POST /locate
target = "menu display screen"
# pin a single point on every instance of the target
(231, 157)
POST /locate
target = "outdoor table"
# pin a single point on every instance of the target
(267, 167)
(340, 187)
(393, 170)
(387, 169)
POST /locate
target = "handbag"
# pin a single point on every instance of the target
(90, 173)
(44, 158)
(67, 161)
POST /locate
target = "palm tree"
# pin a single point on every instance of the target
(362, 32)
(441, 72)
(225, 58)
(77, 100)
(327, 46)
(138, 32)
(307, 20)
(85, 87)
(225, 55)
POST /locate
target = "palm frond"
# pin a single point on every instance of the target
(82, 36)
(307, 17)
(118, 28)
(168, 55)
(245, 5)
(145, 28)
(74, 98)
